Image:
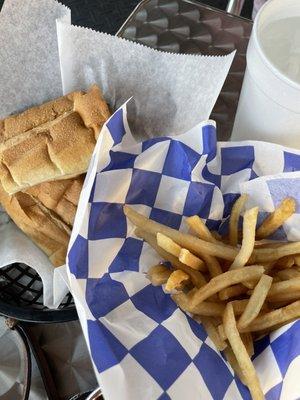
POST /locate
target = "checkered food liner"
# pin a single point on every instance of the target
(141, 344)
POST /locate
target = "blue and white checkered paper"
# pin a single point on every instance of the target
(142, 345)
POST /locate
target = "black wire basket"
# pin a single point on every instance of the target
(21, 297)
(21, 289)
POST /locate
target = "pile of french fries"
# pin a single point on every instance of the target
(240, 287)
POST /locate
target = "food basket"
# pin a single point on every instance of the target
(181, 26)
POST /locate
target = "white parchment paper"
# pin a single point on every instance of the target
(173, 92)
(43, 56)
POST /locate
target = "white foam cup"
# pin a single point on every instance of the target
(269, 104)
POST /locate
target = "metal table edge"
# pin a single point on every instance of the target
(195, 2)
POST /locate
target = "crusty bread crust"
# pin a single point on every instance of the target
(46, 214)
(60, 197)
(49, 234)
(52, 141)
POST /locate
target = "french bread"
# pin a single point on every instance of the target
(46, 231)
(60, 197)
(51, 141)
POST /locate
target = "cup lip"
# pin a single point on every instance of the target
(267, 62)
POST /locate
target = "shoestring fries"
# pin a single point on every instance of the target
(238, 292)
(249, 225)
(274, 221)
(187, 241)
(255, 302)
(196, 224)
(234, 219)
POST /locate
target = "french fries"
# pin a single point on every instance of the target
(287, 286)
(212, 332)
(168, 244)
(238, 292)
(234, 219)
(285, 262)
(277, 218)
(207, 308)
(297, 260)
(195, 245)
(187, 258)
(184, 255)
(198, 226)
(249, 225)
(176, 280)
(222, 332)
(286, 274)
(255, 302)
(241, 353)
(232, 291)
(275, 253)
(231, 358)
(275, 317)
(196, 277)
(248, 343)
(213, 265)
(283, 298)
(239, 306)
(226, 279)
(159, 274)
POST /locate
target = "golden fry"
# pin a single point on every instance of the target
(158, 274)
(239, 306)
(297, 260)
(234, 364)
(196, 277)
(248, 343)
(284, 298)
(284, 286)
(255, 302)
(234, 219)
(168, 244)
(275, 317)
(176, 280)
(221, 332)
(216, 235)
(198, 226)
(261, 334)
(212, 332)
(265, 244)
(249, 225)
(285, 262)
(187, 258)
(286, 274)
(232, 291)
(275, 253)
(207, 308)
(250, 284)
(274, 283)
(277, 218)
(201, 230)
(213, 265)
(226, 279)
(195, 245)
(240, 352)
